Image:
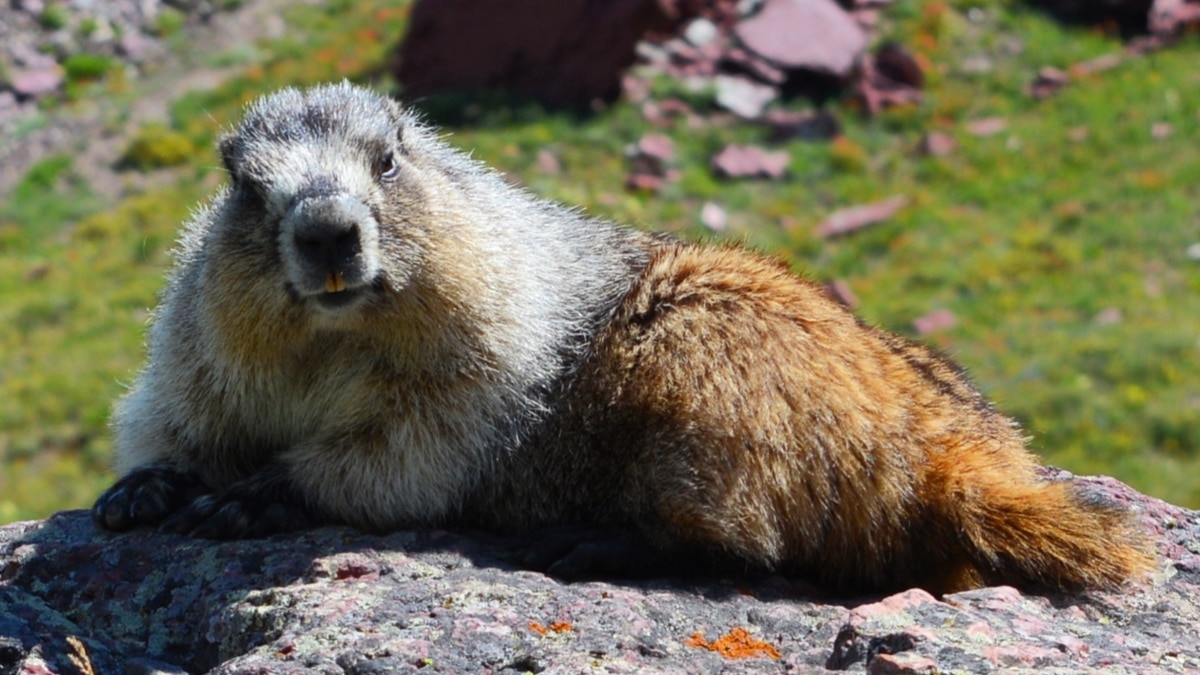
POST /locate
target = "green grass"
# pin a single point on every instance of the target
(1030, 236)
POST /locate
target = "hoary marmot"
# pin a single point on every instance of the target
(368, 327)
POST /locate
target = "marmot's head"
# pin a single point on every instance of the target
(326, 179)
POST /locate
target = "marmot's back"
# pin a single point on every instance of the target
(367, 327)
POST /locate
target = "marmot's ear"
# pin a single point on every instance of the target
(230, 151)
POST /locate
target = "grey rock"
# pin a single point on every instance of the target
(743, 96)
(701, 32)
(334, 600)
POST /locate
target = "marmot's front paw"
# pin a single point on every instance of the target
(237, 515)
(146, 497)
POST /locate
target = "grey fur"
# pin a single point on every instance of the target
(467, 302)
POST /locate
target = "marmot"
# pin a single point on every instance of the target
(368, 327)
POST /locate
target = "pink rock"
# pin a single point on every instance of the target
(1108, 316)
(988, 126)
(854, 218)
(650, 158)
(1049, 82)
(841, 291)
(644, 182)
(547, 163)
(904, 663)
(1098, 64)
(747, 161)
(815, 35)
(656, 147)
(938, 144)
(1170, 17)
(820, 125)
(37, 83)
(135, 47)
(935, 322)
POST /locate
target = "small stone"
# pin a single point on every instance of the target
(657, 147)
(938, 144)
(650, 157)
(904, 663)
(1048, 82)
(134, 47)
(1108, 317)
(636, 89)
(27, 56)
(820, 125)
(1078, 134)
(1193, 251)
(935, 322)
(701, 32)
(714, 217)
(37, 83)
(841, 291)
(547, 163)
(845, 221)
(742, 96)
(31, 7)
(1098, 64)
(746, 161)
(988, 126)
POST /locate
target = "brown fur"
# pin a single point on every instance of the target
(733, 406)
(510, 364)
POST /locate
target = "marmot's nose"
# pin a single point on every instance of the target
(328, 242)
(327, 230)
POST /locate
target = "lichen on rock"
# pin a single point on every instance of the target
(334, 600)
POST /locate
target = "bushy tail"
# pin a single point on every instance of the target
(1021, 530)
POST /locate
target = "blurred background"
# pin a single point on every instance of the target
(1014, 183)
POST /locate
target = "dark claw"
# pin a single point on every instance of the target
(178, 502)
(187, 519)
(145, 497)
(235, 516)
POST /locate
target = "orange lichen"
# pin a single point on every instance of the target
(557, 627)
(737, 644)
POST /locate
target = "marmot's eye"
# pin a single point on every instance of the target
(388, 168)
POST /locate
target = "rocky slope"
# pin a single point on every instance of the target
(73, 599)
